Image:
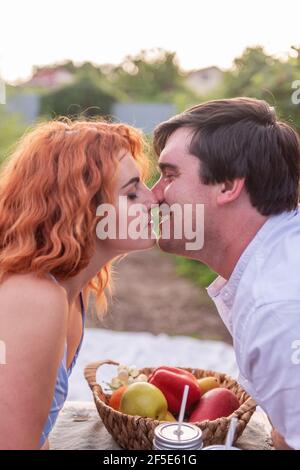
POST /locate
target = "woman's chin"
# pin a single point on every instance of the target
(142, 244)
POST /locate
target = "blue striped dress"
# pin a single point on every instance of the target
(61, 386)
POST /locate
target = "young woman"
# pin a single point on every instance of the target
(52, 258)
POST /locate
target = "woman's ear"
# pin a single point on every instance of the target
(229, 191)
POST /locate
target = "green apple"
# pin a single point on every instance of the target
(144, 399)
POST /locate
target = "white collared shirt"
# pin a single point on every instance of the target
(260, 305)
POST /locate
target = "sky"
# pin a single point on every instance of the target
(202, 33)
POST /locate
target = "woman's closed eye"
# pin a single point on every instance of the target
(132, 196)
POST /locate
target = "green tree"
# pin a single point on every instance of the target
(258, 75)
(85, 96)
(11, 129)
(151, 75)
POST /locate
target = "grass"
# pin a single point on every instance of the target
(197, 272)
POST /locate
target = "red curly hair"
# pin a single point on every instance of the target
(50, 188)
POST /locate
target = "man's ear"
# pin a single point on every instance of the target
(229, 191)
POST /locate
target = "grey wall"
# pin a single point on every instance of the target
(145, 116)
(27, 105)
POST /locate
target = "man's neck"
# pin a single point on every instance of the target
(224, 258)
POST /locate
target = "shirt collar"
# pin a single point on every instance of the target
(228, 289)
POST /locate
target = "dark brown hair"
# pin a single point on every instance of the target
(242, 138)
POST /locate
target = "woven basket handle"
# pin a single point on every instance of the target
(248, 405)
(91, 369)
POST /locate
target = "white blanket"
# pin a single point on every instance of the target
(145, 349)
(80, 427)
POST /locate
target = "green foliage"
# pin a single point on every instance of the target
(258, 75)
(199, 273)
(11, 129)
(85, 96)
(152, 75)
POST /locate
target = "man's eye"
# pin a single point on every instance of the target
(132, 196)
(168, 177)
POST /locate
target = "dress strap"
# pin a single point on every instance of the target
(54, 278)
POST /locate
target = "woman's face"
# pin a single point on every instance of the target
(127, 226)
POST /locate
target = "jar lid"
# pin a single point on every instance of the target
(166, 436)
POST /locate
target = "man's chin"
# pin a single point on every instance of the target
(176, 247)
(169, 245)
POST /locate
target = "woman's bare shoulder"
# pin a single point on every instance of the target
(33, 326)
(33, 314)
(33, 295)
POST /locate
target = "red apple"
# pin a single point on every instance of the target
(215, 404)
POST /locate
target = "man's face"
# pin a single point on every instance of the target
(180, 184)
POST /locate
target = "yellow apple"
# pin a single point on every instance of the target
(144, 399)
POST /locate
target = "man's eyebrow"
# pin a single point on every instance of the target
(136, 179)
(167, 166)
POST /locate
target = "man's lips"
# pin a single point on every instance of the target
(164, 219)
(164, 216)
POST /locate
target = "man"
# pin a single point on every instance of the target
(237, 159)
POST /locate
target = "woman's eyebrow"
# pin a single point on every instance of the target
(136, 179)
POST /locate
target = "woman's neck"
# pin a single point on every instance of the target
(75, 284)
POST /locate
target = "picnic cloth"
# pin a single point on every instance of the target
(145, 349)
(79, 427)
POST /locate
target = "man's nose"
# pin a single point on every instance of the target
(150, 198)
(157, 190)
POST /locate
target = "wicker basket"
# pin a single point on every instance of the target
(136, 433)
